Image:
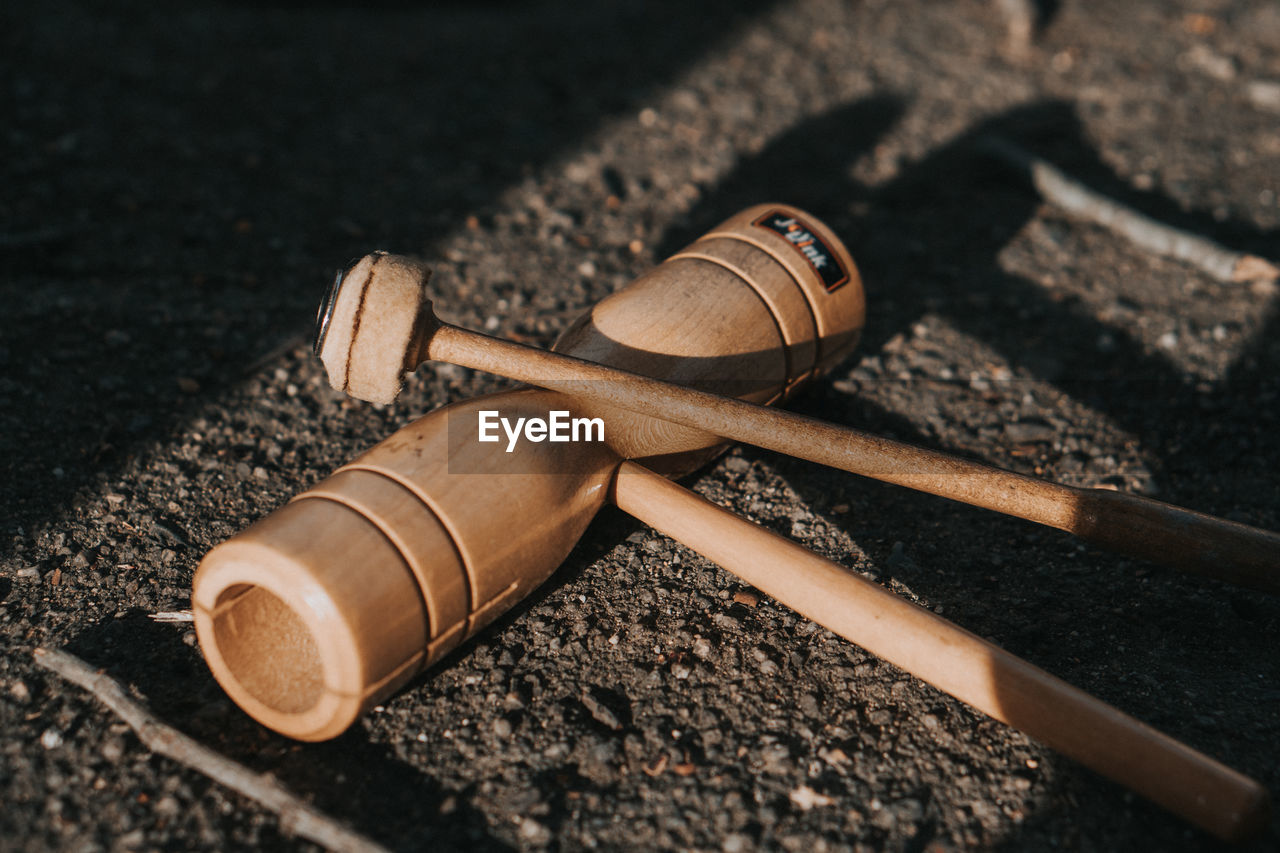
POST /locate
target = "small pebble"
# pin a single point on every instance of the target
(898, 558)
(129, 840)
(835, 757)
(533, 832)
(600, 712)
(1265, 94)
(805, 798)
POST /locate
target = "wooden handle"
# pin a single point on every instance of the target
(1231, 552)
(984, 676)
(1181, 538)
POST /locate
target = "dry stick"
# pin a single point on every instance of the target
(295, 815)
(1058, 188)
(279, 350)
(979, 673)
(1132, 525)
(174, 616)
(1020, 24)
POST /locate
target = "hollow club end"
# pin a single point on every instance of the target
(373, 325)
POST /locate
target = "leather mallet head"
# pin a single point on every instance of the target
(374, 324)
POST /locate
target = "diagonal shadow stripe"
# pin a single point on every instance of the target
(929, 241)
(183, 176)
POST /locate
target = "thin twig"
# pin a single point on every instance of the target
(283, 348)
(1057, 187)
(173, 616)
(1020, 18)
(295, 815)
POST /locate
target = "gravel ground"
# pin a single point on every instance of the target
(182, 178)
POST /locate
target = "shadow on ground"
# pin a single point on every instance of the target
(179, 197)
(362, 783)
(929, 240)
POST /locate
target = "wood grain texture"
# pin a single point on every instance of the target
(977, 672)
(1137, 526)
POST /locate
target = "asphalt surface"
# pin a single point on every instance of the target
(182, 179)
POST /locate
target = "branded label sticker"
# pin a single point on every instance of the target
(810, 246)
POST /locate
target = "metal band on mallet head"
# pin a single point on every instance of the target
(370, 324)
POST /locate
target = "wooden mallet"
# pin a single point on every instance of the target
(369, 363)
(327, 605)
